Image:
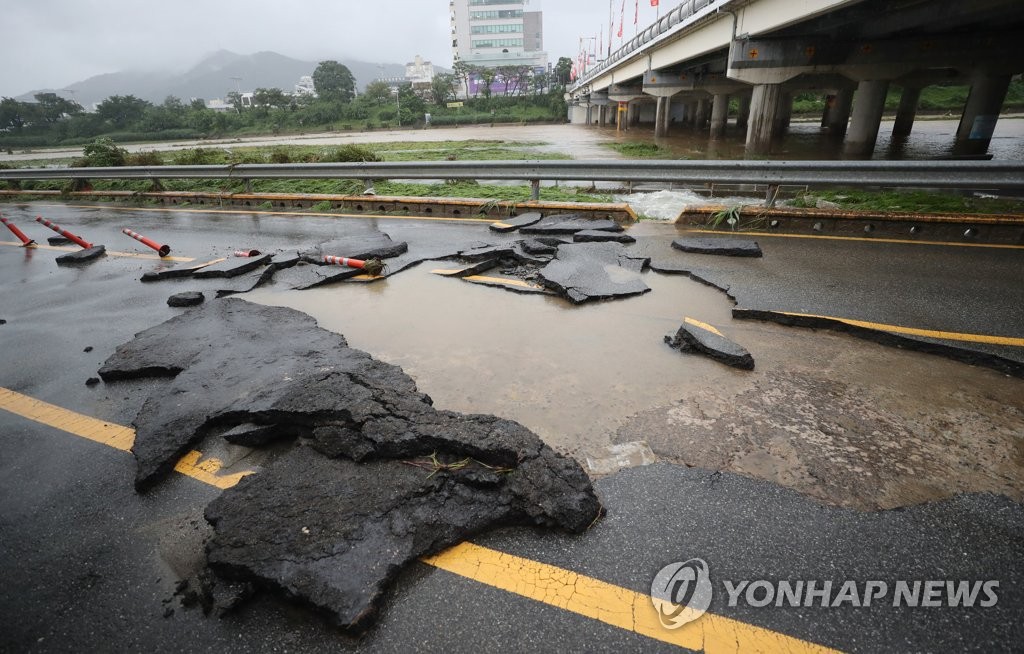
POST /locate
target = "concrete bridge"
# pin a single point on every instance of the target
(685, 69)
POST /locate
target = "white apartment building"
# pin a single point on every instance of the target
(496, 33)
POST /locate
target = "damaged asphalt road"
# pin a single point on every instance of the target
(378, 479)
(840, 421)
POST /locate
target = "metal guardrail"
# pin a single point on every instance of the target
(676, 18)
(964, 175)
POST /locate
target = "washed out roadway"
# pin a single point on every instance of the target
(88, 561)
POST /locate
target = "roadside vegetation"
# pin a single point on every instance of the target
(910, 201)
(524, 97)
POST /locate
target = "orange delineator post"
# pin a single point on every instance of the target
(247, 253)
(344, 261)
(164, 250)
(65, 233)
(25, 241)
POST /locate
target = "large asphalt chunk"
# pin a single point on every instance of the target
(376, 478)
(696, 336)
(728, 247)
(82, 256)
(594, 271)
(334, 533)
(372, 245)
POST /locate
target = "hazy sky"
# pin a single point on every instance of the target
(54, 43)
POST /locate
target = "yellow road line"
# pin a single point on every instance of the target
(861, 238)
(913, 331)
(614, 605)
(702, 325)
(204, 209)
(111, 253)
(118, 437)
(565, 589)
(501, 280)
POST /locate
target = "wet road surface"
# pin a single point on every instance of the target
(842, 421)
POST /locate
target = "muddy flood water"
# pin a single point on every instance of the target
(846, 421)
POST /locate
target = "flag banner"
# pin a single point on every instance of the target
(622, 18)
(654, 3)
(636, 13)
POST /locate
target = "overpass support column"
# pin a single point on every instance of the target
(978, 121)
(701, 119)
(784, 116)
(744, 113)
(719, 115)
(764, 110)
(907, 111)
(659, 117)
(838, 117)
(668, 115)
(866, 119)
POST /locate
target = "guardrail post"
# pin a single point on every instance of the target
(771, 196)
(248, 185)
(535, 189)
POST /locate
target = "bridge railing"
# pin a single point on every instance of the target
(995, 176)
(686, 13)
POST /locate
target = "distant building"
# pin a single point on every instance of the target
(419, 71)
(494, 33)
(305, 86)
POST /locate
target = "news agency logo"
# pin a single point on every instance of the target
(681, 592)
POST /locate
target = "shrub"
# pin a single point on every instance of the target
(280, 156)
(101, 153)
(199, 157)
(144, 159)
(347, 153)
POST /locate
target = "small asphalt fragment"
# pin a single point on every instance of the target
(696, 336)
(727, 247)
(186, 299)
(58, 240)
(82, 256)
(513, 223)
(376, 476)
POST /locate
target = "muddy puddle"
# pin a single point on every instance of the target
(569, 373)
(845, 421)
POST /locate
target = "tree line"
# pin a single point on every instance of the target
(525, 96)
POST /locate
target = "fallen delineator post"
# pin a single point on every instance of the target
(372, 266)
(25, 241)
(164, 250)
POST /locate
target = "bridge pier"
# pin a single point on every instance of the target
(719, 115)
(743, 116)
(764, 108)
(784, 116)
(907, 111)
(866, 119)
(703, 114)
(838, 119)
(978, 121)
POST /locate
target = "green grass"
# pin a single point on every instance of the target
(641, 150)
(911, 201)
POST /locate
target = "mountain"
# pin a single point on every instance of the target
(213, 77)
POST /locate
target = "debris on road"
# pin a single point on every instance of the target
(696, 336)
(727, 247)
(570, 224)
(594, 271)
(515, 222)
(177, 272)
(187, 299)
(82, 256)
(598, 236)
(233, 267)
(378, 478)
(372, 245)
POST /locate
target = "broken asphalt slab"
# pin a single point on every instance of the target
(378, 478)
(570, 224)
(82, 256)
(726, 247)
(177, 272)
(598, 236)
(233, 266)
(696, 336)
(513, 223)
(186, 299)
(372, 245)
(594, 271)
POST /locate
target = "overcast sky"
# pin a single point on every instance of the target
(54, 43)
